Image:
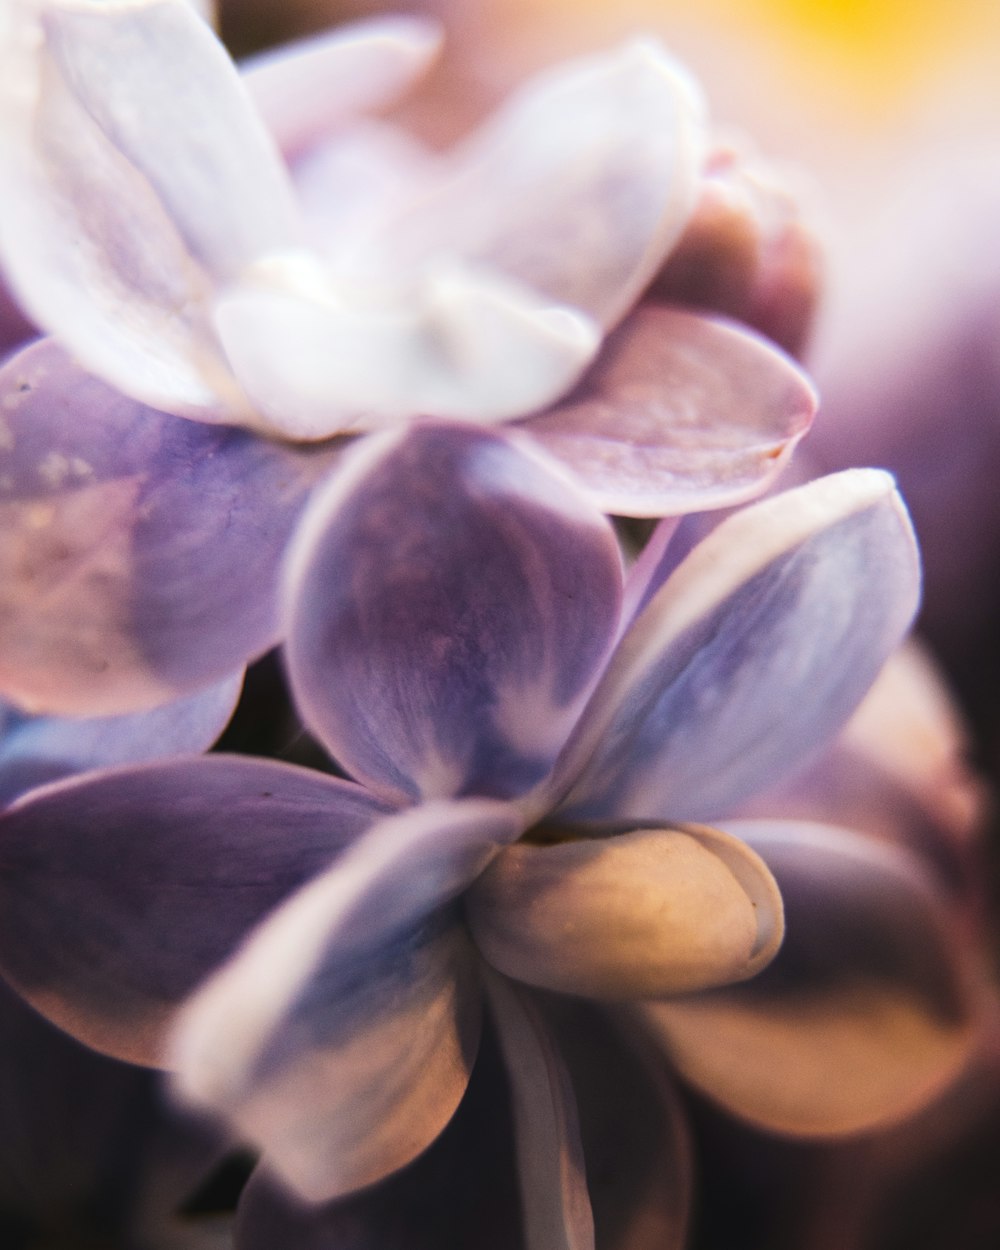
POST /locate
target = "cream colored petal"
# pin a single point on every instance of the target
(637, 915)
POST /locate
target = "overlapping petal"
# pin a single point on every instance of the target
(640, 914)
(751, 655)
(39, 749)
(866, 1012)
(138, 552)
(110, 230)
(597, 158)
(122, 890)
(341, 1037)
(682, 412)
(453, 598)
(306, 89)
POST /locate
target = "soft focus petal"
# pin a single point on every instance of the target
(138, 551)
(38, 749)
(636, 915)
(122, 890)
(139, 176)
(635, 1135)
(466, 345)
(452, 599)
(341, 1037)
(577, 188)
(304, 90)
(865, 1013)
(681, 413)
(459, 1194)
(751, 249)
(555, 1205)
(751, 655)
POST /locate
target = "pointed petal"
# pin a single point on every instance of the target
(38, 749)
(636, 915)
(865, 1014)
(139, 178)
(305, 89)
(752, 655)
(341, 1037)
(578, 187)
(451, 601)
(556, 1208)
(681, 413)
(138, 551)
(122, 890)
(322, 366)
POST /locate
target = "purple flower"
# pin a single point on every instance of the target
(533, 736)
(151, 224)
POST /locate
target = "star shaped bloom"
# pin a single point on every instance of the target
(529, 733)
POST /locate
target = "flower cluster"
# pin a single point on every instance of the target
(311, 384)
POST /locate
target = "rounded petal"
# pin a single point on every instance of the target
(139, 178)
(751, 656)
(451, 602)
(465, 345)
(122, 890)
(139, 552)
(639, 914)
(578, 187)
(554, 1202)
(341, 1037)
(682, 412)
(865, 1014)
(38, 749)
(305, 89)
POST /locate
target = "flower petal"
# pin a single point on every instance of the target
(139, 178)
(305, 89)
(578, 187)
(323, 365)
(555, 1205)
(341, 1037)
(864, 1015)
(638, 914)
(38, 749)
(138, 551)
(460, 1193)
(752, 654)
(682, 412)
(120, 891)
(451, 601)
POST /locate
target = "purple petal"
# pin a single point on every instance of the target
(752, 655)
(556, 1208)
(303, 90)
(865, 1014)
(578, 187)
(37, 749)
(341, 1036)
(139, 177)
(452, 600)
(682, 412)
(641, 914)
(120, 891)
(138, 551)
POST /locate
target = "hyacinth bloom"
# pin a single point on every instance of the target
(533, 736)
